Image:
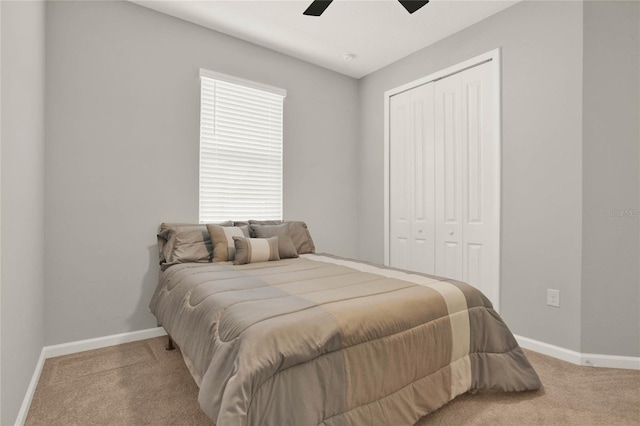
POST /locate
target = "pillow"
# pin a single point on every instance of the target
(252, 250)
(298, 231)
(286, 249)
(188, 245)
(265, 222)
(183, 242)
(222, 238)
(301, 237)
(262, 222)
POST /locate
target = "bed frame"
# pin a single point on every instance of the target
(170, 345)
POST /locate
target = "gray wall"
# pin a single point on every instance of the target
(610, 275)
(122, 153)
(22, 180)
(541, 46)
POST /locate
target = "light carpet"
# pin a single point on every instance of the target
(140, 383)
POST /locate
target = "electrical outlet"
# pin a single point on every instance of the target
(553, 297)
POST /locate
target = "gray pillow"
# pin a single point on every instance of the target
(184, 242)
(286, 248)
(253, 250)
(298, 231)
(265, 222)
(262, 222)
(222, 237)
(301, 237)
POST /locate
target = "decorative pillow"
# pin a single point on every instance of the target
(262, 222)
(301, 237)
(286, 248)
(222, 237)
(252, 250)
(183, 242)
(298, 231)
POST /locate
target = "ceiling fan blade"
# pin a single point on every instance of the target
(413, 5)
(317, 7)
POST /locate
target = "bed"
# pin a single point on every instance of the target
(322, 340)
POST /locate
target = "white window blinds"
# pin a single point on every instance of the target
(240, 149)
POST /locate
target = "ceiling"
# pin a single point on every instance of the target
(377, 32)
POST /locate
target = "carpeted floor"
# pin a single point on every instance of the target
(142, 384)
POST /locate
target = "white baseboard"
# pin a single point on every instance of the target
(550, 350)
(611, 361)
(578, 358)
(101, 342)
(75, 347)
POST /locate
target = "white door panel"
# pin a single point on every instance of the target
(400, 181)
(401, 253)
(478, 175)
(411, 179)
(474, 263)
(422, 231)
(448, 178)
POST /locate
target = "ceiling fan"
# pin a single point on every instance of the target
(319, 6)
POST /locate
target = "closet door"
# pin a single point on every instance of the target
(465, 178)
(448, 177)
(444, 173)
(411, 136)
(479, 177)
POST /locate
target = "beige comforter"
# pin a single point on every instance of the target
(323, 340)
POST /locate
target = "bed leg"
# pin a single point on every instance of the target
(170, 345)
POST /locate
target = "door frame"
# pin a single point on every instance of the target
(494, 57)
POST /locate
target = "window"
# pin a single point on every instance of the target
(240, 149)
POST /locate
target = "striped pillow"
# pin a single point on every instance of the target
(252, 250)
(222, 238)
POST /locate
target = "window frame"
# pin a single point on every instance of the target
(208, 132)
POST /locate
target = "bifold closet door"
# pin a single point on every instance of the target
(465, 178)
(411, 179)
(443, 179)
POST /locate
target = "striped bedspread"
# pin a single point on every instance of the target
(325, 340)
